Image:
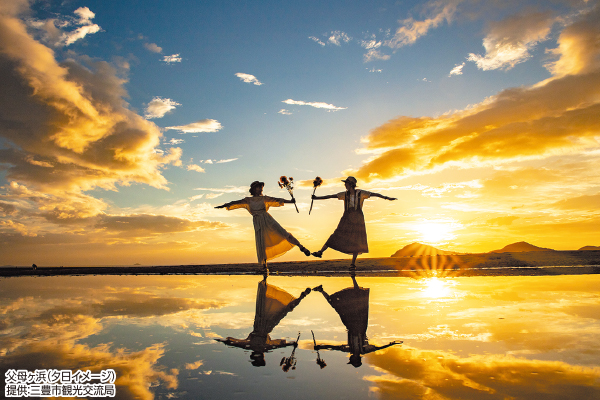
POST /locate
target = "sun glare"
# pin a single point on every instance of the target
(435, 232)
(436, 288)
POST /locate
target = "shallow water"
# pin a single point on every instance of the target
(463, 338)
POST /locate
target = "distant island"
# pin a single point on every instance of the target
(590, 248)
(419, 249)
(520, 247)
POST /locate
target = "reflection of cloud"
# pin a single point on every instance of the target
(204, 125)
(557, 116)
(195, 365)
(412, 373)
(135, 371)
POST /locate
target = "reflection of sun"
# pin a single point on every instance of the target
(435, 232)
(436, 288)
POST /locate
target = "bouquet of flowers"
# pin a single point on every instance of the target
(289, 185)
(316, 183)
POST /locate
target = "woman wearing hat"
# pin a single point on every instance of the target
(271, 239)
(350, 236)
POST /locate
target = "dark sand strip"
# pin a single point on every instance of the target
(494, 264)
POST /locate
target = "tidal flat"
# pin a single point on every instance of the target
(215, 337)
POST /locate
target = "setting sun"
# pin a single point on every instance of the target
(435, 232)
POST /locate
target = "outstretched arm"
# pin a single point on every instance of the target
(382, 196)
(231, 203)
(330, 196)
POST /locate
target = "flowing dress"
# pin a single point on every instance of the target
(271, 239)
(350, 236)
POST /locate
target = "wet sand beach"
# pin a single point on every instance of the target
(486, 264)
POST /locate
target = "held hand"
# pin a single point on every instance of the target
(313, 197)
(294, 200)
(221, 206)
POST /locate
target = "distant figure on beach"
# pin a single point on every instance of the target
(271, 239)
(350, 236)
(352, 305)
(272, 305)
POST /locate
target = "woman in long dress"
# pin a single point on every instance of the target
(271, 239)
(350, 236)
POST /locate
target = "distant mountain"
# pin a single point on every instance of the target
(520, 247)
(590, 248)
(418, 249)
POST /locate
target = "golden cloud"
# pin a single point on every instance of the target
(68, 123)
(553, 117)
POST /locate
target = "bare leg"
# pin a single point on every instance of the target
(295, 242)
(353, 265)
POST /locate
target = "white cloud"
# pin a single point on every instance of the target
(194, 167)
(213, 195)
(412, 30)
(248, 78)
(227, 189)
(329, 107)
(317, 40)
(374, 70)
(284, 112)
(370, 44)
(204, 125)
(159, 106)
(226, 161)
(337, 37)
(172, 58)
(457, 70)
(374, 54)
(85, 15)
(509, 41)
(196, 197)
(208, 162)
(153, 47)
(176, 141)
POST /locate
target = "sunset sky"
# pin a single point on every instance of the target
(122, 125)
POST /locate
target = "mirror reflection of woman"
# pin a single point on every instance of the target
(272, 305)
(350, 236)
(352, 305)
(271, 239)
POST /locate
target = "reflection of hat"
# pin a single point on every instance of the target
(350, 179)
(258, 359)
(355, 360)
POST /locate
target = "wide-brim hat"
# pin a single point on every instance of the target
(350, 179)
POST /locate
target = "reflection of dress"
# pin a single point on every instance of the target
(352, 305)
(272, 305)
(271, 238)
(350, 236)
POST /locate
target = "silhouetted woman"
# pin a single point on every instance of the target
(271, 239)
(350, 236)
